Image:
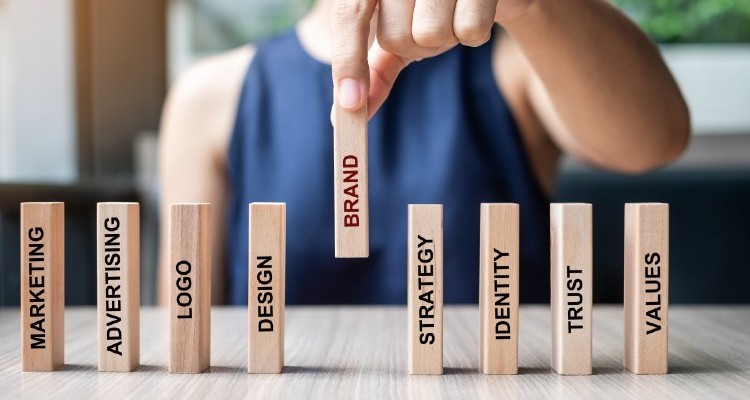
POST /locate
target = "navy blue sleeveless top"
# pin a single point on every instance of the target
(445, 135)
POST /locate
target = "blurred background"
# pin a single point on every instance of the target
(82, 84)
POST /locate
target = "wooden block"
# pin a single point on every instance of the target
(42, 286)
(646, 294)
(267, 258)
(498, 289)
(350, 183)
(571, 284)
(118, 285)
(425, 290)
(190, 289)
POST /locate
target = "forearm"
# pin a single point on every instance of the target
(618, 103)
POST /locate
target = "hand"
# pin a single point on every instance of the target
(407, 30)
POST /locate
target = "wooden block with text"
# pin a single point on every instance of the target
(42, 286)
(267, 257)
(571, 287)
(190, 287)
(425, 289)
(118, 285)
(350, 183)
(498, 288)
(646, 295)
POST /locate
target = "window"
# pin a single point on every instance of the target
(37, 113)
(707, 45)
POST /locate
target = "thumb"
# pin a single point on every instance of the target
(384, 69)
(350, 29)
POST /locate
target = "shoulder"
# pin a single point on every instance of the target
(212, 83)
(202, 102)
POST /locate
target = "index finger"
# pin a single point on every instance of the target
(350, 30)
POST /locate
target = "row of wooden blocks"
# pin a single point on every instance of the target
(646, 287)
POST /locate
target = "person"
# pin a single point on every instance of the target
(470, 102)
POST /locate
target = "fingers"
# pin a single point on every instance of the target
(432, 24)
(384, 69)
(350, 28)
(395, 29)
(473, 20)
(407, 30)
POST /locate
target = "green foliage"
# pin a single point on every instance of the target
(222, 24)
(218, 25)
(691, 21)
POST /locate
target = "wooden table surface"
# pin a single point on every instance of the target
(360, 352)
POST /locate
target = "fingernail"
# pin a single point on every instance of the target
(349, 93)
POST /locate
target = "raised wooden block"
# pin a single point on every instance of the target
(350, 183)
(118, 285)
(646, 287)
(42, 286)
(425, 289)
(498, 289)
(190, 289)
(267, 258)
(571, 284)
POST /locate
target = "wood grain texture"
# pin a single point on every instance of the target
(42, 286)
(190, 287)
(498, 288)
(118, 285)
(425, 289)
(350, 183)
(267, 265)
(360, 353)
(646, 295)
(571, 287)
